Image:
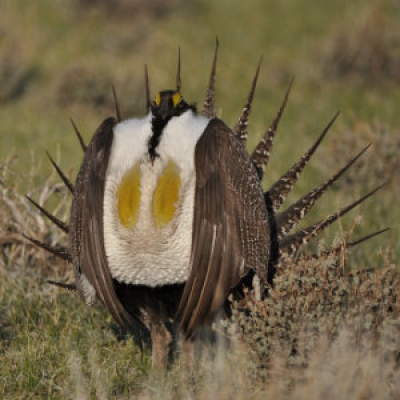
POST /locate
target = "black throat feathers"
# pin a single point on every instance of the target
(167, 104)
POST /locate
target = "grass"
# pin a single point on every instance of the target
(333, 336)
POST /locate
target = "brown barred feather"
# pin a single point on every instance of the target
(86, 226)
(62, 225)
(178, 72)
(147, 88)
(116, 104)
(347, 245)
(280, 189)
(64, 178)
(291, 243)
(236, 235)
(230, 226)
(78, 134)
(287, 219)
(338, 249)
(241, 128)
(59, 251)
(262, 151)
(68, 286)
(366, 237)
(209, 106)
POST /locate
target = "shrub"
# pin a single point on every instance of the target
(370, 49)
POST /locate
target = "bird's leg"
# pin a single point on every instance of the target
(161, 339)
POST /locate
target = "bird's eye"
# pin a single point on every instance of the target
(176, 98)
(157, 100)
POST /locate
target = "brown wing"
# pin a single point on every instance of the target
(230, 227)
(86, 225)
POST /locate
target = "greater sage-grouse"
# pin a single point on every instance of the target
(169, 216)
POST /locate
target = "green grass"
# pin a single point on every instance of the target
(294, 39)
(59, 59)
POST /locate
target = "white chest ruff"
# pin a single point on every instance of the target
(147, 254)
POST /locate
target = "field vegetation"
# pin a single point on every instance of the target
(330, 327)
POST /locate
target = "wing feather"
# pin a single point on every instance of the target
(86, 225)
(230, 226)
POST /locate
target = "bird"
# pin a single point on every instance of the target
(169, 216)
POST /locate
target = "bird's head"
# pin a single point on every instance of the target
(168, 104)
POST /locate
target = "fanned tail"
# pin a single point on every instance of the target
(147, 89)
(366, 237)
(78, 135)
(64, 178)
(240, 128)
(59, 251)
(209, 106)
(178, 72)
(62, 252)
(287, 219)
(281, 224)
(68, 286)
(116, 105)
(280, 189)
(62, 225)
(336, 250)
(66, 181)
(262, 151)
(291, 243)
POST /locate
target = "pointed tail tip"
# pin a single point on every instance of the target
(147, 88)
(367, 237)
(178, 72)
(332, 121)
(61, 174)
(68, 286)
(78, 135)
(208, 110)
(261, 60)
(62, 225)
(116, 104)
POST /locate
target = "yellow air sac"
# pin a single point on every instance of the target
(166, 195)
(128, 196)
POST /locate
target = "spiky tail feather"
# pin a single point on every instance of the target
(147, 89)
(292, 242)
(209, 103)
(348, 244)
(59, 251)
(63, 285)
(287, 219)
(241, 128)
(118, 114)
(78, 135)
(61, 174)
(280, 223)
(262, 151)
(60, 224)
(284, 185)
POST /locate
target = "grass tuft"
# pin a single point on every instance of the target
(368, 50)
(84, 85)
(327, 327)
(330, 326)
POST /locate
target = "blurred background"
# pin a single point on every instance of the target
(59, 59)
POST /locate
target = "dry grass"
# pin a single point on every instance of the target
(380, 164)
(370, 50)
(326, 330)
(125, 8)
(330, 327)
